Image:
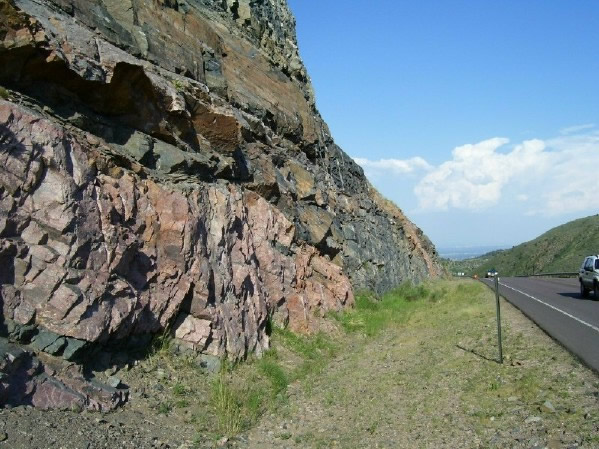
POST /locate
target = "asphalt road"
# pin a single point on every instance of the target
(556, 306)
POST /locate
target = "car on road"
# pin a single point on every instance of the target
(491, 273)
(588, 276)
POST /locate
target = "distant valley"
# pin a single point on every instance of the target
(466, 252)
(560, 249)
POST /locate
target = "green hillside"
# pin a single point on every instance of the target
(561, 249)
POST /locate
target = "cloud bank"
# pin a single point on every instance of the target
(477, 174)
(548, 177)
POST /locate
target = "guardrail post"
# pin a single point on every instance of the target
(498, 319)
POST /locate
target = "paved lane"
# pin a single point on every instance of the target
(556, 306)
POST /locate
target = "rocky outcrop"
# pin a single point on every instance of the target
(25, 379)
(100, 253)
(163, 165)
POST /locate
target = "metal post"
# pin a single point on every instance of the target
(498, 319)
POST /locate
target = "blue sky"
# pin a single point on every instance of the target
(480, 119)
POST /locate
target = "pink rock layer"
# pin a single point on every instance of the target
(99, 252)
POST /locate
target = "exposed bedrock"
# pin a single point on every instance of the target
(163, 165)
(97, 252)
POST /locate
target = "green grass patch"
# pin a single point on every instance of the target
(313, 352)
(179, 389)
(277, 377)
(371, 315)
(164, 408)
(309, 347)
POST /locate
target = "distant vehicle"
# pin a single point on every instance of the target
(491, 273)
(588, 276)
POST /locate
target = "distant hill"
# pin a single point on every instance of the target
(560, 249)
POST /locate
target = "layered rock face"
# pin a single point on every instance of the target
(163, 166)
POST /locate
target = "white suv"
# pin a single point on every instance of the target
(589, 276)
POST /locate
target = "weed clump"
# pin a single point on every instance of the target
(269, 367)
(226, 406)
(179, 390)
(3, 93)
(372, 314)
(411, 292)
(178, 85)
(164, 408)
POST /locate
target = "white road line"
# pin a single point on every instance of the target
(595, 328)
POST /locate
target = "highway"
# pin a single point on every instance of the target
(556, 306)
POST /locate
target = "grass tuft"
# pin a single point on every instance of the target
(179, 85)
(226, 406)
(179, 390)
(164, 408)
(162, 342)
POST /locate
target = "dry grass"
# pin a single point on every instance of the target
(420, 370)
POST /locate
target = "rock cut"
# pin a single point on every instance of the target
(163, 166)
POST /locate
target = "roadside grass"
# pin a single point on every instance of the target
(426, 352)
(423, 368)
(241, 393)
(371, 314)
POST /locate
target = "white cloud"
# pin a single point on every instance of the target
(477, 174)
(577, 129)
(572, 183)
(395, 166)
(558, 175)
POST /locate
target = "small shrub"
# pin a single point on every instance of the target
(437, 295)
(3, 93)
(412, 292)
(164, 408)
